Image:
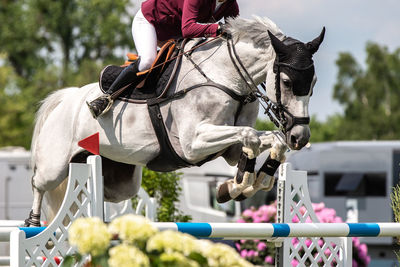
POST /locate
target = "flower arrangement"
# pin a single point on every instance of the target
(260, 252)
(131, 240)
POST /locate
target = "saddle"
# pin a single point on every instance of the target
(151, 82)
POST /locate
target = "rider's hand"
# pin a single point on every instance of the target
(222, 30)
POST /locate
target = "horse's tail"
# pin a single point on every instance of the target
(46, 106)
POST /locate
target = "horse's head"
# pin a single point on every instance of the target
(290, 85)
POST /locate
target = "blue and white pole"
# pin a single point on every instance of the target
(270, 230)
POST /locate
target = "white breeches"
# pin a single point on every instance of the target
(145, 38)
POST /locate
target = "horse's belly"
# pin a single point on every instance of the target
(127, 135)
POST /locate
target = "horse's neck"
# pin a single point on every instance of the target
(218, 65)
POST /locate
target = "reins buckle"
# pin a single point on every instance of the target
(250, 98)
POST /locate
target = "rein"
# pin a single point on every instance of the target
(276, 112)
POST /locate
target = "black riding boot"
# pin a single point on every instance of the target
(103, 103)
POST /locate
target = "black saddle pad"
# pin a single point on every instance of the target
(153, 86)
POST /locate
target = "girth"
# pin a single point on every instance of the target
(167, 159)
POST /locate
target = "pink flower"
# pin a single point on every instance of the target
(295, 262)
(328, 252)
(295, 219)
(308, 242)
(303, 209)
(252, 253)
(265, 217)
(356, 241)
(243, 253)
(355, 264)
(363, 251)
(261, 246)
(269, 260)
(247, 213)
(318, 206)
(257, 220)
(240, 221)
(237, 245)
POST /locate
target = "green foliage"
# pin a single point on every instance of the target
(166, 189)
(369, 96)
(325, 131)
(53, 44)
(264, 125)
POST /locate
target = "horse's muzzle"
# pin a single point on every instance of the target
(298, 137)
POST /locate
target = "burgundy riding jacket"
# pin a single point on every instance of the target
(174, 19)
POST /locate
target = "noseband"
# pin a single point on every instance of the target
(277, 113)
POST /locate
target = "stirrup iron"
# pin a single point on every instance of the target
(106, 97)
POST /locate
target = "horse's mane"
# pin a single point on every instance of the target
(253, 30)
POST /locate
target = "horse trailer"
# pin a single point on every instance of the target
(356, 179)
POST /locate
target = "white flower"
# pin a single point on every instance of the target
(127, 256)
(171, 241)
(89, 236)
(132, 229)
(221, 255)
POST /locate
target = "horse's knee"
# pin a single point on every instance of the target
(251, 142)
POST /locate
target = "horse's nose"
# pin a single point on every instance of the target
(298, 142)
(299, 137)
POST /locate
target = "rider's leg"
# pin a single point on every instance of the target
(145, 39)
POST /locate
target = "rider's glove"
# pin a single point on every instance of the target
(222, 30)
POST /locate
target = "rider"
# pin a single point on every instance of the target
(161, 20)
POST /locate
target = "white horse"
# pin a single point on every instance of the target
(202, 123)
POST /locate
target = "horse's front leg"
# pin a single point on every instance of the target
(246, 183)
(210, 139)
(265, 176)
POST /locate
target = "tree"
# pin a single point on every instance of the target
(52, 45)
(370, 96)
(165, 188)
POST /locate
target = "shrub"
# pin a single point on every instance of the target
(131, 240)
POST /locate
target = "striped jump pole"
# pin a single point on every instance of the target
(29, 232)
(233, 231)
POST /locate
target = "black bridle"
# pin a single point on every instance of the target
(277, 113)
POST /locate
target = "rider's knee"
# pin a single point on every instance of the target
(146, 62)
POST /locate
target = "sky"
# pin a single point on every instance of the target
(350, 24)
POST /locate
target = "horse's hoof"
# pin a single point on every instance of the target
(223, 193)
(240, 197)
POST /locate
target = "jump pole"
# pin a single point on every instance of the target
(236, 231)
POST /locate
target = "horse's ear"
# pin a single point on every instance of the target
(278, 45)
(314, 44)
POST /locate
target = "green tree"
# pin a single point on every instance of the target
(166, 189)
(53, 44)
(370, 97)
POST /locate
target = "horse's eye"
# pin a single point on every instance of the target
(287, 83)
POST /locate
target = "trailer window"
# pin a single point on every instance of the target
(355, 184)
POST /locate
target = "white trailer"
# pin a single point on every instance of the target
(356, 179)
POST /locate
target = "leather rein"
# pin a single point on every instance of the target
(277, 113)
